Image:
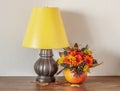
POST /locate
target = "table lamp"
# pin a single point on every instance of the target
(45, 31)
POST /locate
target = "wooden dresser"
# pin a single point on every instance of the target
(93, 83)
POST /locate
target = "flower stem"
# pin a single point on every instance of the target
(60, 71)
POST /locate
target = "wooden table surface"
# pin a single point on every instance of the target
(91, 84)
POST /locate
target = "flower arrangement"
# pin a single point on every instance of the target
(76, 59)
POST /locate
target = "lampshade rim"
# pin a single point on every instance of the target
(46, 7)
(46, 48)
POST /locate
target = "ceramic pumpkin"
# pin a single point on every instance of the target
(72, 77)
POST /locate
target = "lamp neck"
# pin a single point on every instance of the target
(46, 52)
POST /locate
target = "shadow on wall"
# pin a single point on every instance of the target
(78, 31)
(76, 28)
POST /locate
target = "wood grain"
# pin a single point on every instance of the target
(91, 84)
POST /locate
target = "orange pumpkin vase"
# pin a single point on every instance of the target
(73, 77)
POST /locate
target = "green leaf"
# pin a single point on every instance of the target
(61, 54)
(76, 47)
(94, 65)
(65, 53)
(86, 47)
(86, 68)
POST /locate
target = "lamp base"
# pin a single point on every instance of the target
(46, 66)
(45, 79)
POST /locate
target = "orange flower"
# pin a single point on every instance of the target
(89, 60)
(73, 53)
(78, 59)
(67, 61)
(82, 54)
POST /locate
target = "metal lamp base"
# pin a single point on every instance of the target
(45, 66)
(45, 79)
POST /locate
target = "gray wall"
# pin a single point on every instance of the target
(93, 22)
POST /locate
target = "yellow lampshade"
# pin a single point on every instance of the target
(45, 29)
